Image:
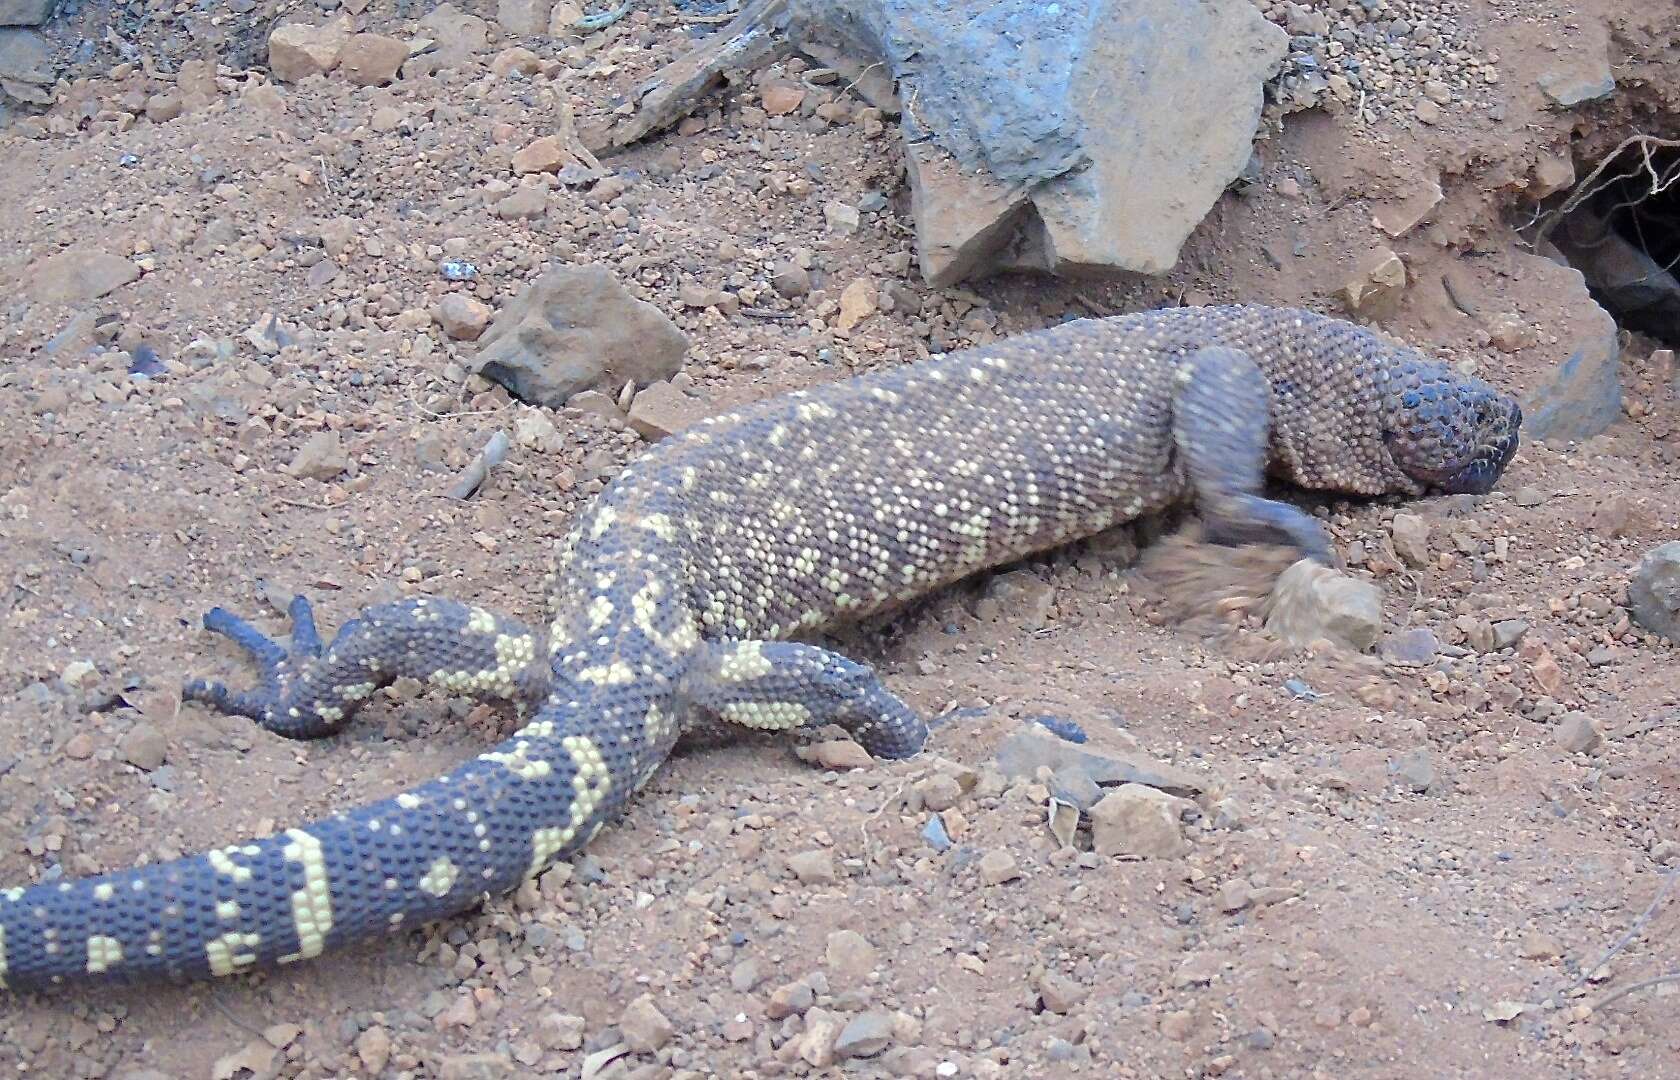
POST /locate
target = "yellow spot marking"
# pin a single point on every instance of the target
(440, 878)
(408, 801)
(603, 521)
(480, 621)
(312, 904)
(537, 729)
(230, 953)
(104, 891)
(14, 895)
(600, 611)
(591, 783)
(227, 909)
(746, 662)
(103, 953)
(615, 674)
(223, 864)
(659, 525)
(526, 768)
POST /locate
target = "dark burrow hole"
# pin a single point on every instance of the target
(1620, 226)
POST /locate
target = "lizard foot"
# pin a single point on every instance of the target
(278, 666)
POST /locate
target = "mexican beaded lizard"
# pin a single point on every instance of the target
(678, 590)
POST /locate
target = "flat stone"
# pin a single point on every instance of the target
(864, 1035)
(1416, 647)
(143, 746)
(1578, 733)
(1654, 591)
(525, 204)
(322, 457)
(1411, 539)
(1138, 821)
(998, 867)
(546, 154)
(576, 328)
(1415, 772)
(1406, 213)
(26, 66)
(523, 18)
(1552, 173)
(814, 867)
(78, 274)
(1583, 75)
(660, 410)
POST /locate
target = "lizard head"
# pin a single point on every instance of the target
(1450, 432)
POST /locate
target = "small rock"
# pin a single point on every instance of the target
(998, 866)
(1415, 772)
(143, 746)
(545, 155)
(1401, 217)
(940, 791)
(576, 328)
(744, 977)
(372, 59)
(77, 672)
(814, 867)
(26, 12)
(1583, 397)
(865, 1035)
(816, 1046)
(527, 203)
(1578, 733)
(79, 747)
(1178, 1024)
(790, 999)
(462, 317)
(1528, 496)
(790, 281)
(842, 218)
(1059, 993)
(1416, 647)
(461, 1013)
(858, 301)
(837, 754)
(523, 18)
(1511, 333)
(781, 98)
(849, 957)
(1312, 602)
(297, 51)
(1411, 539)
(322, 457)
(1032, 748)
(661, 409)
(1586, 76)
(1654, 591)
(489, 1066)
(561, 1031)
(1508, 632)
(1537, 946)
(373, 1048)
(1139, 821)
(1552, 173)
(1376, 284)
(644, 1027)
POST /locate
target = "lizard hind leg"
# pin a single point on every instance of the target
(785, 686)
(307, 691)
(1221, 422)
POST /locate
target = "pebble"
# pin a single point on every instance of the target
(644, 1027)
(76, 275)
(816, 1046)
(1138, 821)
(1416, 647)
(790, 281)
(744, 977)
(1578, 733)
(940, 791)
(79, 747)
(322, 457)
(1411, 539)
(1528, 496)
(997, 867)
(372, 59)
(560, 1031)
(814, 867)
(527, 203)
(462, 317)
(1059, 993)
(660, 410)
(842, 218)
(1375, 286)
(858, 301)
(297, 51)
(143, 746)
(836, 754)
(790, 999)
(373, 1049)
(1312, 602)
(849, 957)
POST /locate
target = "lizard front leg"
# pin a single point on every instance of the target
(307, 691)
(1221, 420)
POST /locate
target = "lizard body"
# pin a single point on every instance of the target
(678, 591)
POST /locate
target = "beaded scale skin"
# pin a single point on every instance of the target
(679, 588)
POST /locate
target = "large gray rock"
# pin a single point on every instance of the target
(26, 12)
(1654, 592)
(1077, 136)
(26, 70)
(77, 274)
(1584, 396)
(576, 328)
